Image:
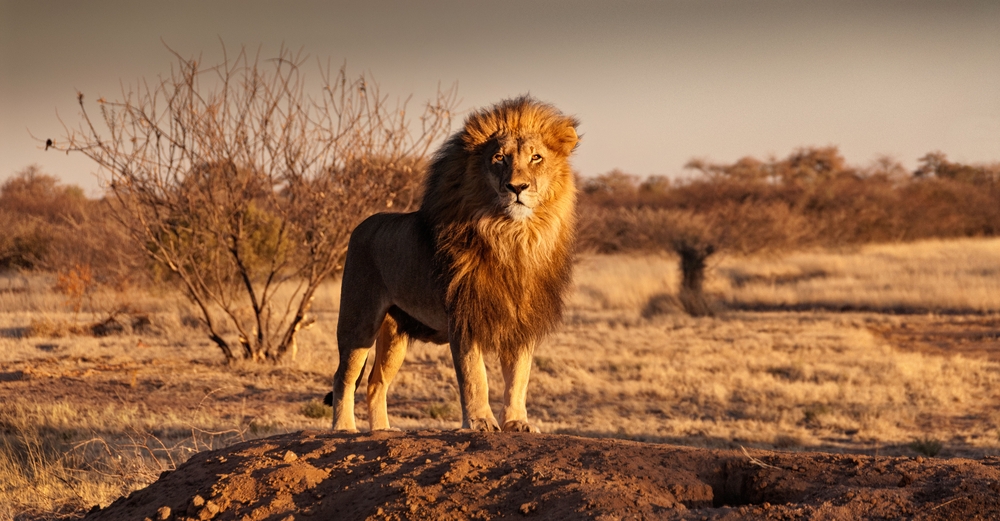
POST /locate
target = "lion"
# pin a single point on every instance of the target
(482, 265)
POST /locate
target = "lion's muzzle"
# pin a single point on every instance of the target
(519, 200)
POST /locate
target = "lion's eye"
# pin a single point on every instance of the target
(498, 157)
(535, 158)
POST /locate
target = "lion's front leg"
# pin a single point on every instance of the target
(516, 368)
(470, 368)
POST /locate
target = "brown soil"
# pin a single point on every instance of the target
(466, 475)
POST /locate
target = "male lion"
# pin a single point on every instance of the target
(482, 265)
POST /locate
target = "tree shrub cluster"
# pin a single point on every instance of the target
(45, 225)
(813, 197)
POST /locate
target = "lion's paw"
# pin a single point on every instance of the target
(484, 425)
(519, 426)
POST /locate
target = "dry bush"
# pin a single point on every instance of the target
(76, 283)
(24, 243)
(53, 227)
(936, 164)
(843, 204)
(34, 208)
(615, 187)
(927, 446)
(31, 192)
(942, 208)
(243, 189)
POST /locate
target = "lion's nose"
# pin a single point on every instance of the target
(517, 188)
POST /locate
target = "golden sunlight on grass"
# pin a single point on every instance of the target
(960, 275)
(955, 276)
(789, 380)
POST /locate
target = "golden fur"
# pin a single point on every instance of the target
(483, 264)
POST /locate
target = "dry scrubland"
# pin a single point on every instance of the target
(86, 418)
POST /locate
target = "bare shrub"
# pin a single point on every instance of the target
(443, 411)
(661, 304)
(243, 189)
(615, 185)
(35, 193)
(843, 204)
(76, 283)
(24, 242)
(316, 409)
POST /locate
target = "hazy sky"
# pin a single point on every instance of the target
(654, 83)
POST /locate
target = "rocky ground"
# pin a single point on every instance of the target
(467, 475)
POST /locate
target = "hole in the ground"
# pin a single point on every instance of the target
(739, 483)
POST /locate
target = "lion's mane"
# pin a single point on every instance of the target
(504, 279)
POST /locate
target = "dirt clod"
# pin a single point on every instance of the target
(209, 511)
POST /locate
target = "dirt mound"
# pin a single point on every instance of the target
(466, 475)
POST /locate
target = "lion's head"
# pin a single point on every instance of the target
(510, 160)
(522, 147)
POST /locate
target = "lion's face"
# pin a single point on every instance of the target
(520, 170)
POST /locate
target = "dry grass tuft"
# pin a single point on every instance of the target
(316, 409)
(927, 446)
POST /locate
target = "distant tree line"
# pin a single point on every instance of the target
(810, 198)
(48, 226)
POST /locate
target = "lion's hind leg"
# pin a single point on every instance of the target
(390, 350)
(345, 383)
(354, 340)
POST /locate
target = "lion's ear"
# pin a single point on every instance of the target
(564, 138)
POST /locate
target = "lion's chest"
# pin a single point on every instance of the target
(501, 294)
